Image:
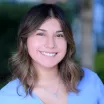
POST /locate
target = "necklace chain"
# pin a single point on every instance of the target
(50, 91)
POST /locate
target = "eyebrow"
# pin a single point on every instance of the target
(42, 30)
(46, 30)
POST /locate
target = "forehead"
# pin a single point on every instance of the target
(51, 23)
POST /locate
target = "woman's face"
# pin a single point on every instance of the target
(47, 45)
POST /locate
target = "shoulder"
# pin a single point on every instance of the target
(93, 84)
(91, 89)
(90, 77)
(88, 72)
(9, 94)
(11, 88)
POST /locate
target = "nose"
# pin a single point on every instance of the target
(50, 42)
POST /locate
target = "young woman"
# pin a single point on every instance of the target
(43, 68)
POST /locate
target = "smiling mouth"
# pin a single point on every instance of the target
(50, 54)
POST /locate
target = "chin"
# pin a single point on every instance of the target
(49, 66)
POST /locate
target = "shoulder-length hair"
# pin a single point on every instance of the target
(21, 62)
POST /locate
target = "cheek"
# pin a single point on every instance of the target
(32, 45)
(62, 44)
(64, 48)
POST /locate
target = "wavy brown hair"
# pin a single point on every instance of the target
(21, 62)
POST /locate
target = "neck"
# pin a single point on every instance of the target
(47, 76)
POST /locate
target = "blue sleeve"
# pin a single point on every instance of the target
(100, 90)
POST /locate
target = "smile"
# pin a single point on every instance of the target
(48, 54)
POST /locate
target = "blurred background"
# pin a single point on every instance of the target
(87, 21)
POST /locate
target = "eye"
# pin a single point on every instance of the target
(40, 34)
(60, 35)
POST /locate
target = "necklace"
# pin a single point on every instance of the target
(54, 94)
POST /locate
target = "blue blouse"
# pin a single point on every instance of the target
(91, 92)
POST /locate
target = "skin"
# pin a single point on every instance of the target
(49, 37)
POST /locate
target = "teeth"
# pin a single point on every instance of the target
(48, 54)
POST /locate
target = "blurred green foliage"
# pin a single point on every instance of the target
(99, 64)
(3, 83)
(10, 16)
